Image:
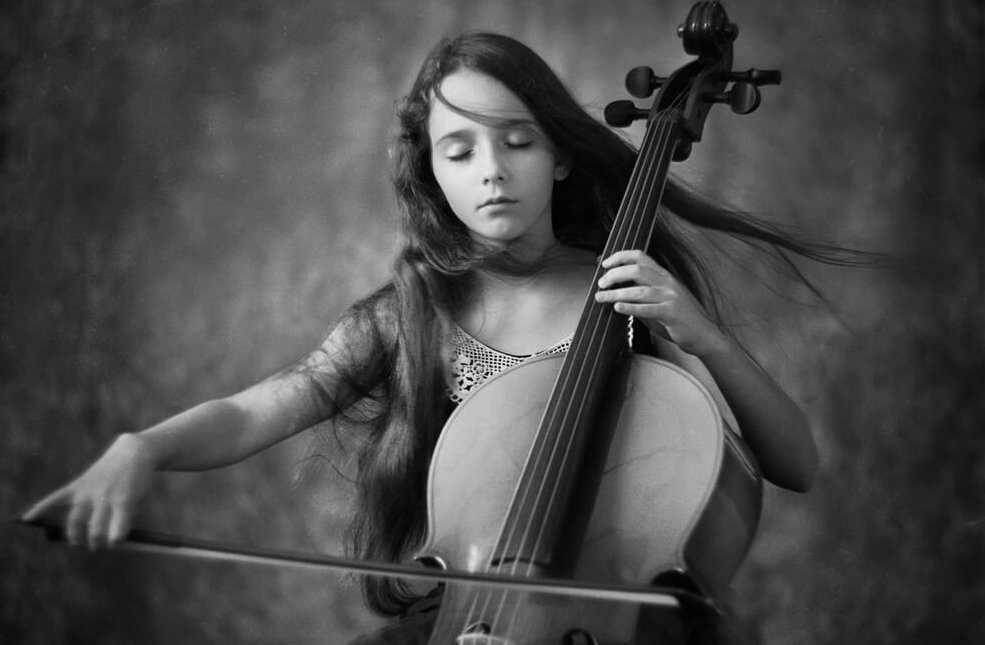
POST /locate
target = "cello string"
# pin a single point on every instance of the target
(571, 377)
(625, 230)
(621, 236)
(618, 239)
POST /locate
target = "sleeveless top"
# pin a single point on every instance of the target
(471, 362)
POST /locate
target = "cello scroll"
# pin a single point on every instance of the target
(691, 91)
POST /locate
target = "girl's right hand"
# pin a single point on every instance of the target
(100, 504)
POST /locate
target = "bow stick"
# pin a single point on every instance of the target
(145, 541)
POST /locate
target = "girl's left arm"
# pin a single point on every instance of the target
(772, 425)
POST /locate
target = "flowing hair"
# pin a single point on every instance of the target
(433, 271)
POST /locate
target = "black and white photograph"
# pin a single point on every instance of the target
(503, 322)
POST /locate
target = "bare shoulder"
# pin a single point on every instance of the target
(371, 318)
(357, 347)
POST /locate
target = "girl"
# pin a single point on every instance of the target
(508, 188)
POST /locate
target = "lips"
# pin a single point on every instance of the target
(497, 201)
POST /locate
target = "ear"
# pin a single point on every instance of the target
(562, 166)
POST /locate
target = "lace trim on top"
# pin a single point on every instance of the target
(472, 362)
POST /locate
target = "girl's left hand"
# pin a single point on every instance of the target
(640, 287)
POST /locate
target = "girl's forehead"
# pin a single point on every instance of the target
(479, 94)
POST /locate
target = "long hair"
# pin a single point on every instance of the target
(433, 271)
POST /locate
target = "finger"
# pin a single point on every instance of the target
(54, 500)
(119, 525)
(77, 523)
(637, 294)
(632, 256)
(634, 273)
(661, 313)
(97, 527)
(628, 256)
(639, 310)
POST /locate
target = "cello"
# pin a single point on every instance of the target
(600, 465)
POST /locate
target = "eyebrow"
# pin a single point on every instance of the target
(463, 133)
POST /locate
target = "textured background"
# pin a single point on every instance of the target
(191, 191)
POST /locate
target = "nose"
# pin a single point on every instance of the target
(493, 168)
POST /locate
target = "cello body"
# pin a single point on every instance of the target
(673, 491)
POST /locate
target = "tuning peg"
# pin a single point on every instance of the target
(757, 77)
(743, 97)
(641, 82)
(620, 114)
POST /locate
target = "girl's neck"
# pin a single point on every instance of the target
(521, 313)
(524, 262)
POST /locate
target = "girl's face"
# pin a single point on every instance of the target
(496, 176)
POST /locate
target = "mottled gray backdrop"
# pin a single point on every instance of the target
(191, 191)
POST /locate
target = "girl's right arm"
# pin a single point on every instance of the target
(99, 505)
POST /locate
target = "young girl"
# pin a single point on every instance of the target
(508, 188)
